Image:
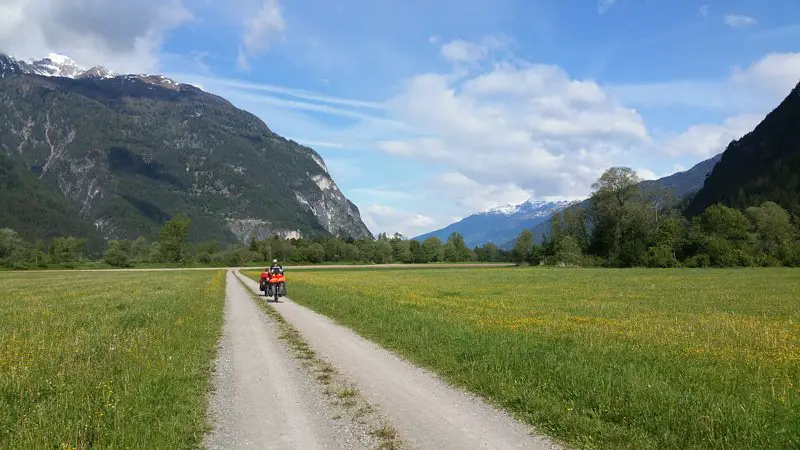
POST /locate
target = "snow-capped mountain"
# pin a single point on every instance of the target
(499, 224)
(55, 65)
(528, 210)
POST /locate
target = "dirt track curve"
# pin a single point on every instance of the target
(257, 387)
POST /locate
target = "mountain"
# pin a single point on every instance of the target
(500, 224)
(55, 65)
(38, 210)
(503, 224)
(127, 152)
(763, 165)
(687, 182)
(682, 184)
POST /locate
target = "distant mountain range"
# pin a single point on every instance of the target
(499, 224)
(503, 224)
(115, 156)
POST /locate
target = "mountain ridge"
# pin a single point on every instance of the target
(129, 151)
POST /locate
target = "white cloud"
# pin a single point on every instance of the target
(261, 31)
(703, 11)
(124, 36)
(756, 88)
(475, 196)
(604, 5)
(740, 21)
(776, 73)
(531, 125)
(462, 51)
(382, 218)
(706, 140)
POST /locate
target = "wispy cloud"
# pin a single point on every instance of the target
(747, 89)
(298, 93)
(740, 21)
(262, 29)
(604, 5)
(703, 11)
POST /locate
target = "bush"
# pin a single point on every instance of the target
(116, 257)
(662, 256)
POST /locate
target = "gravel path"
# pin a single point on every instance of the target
(426, 412)
(263, 397)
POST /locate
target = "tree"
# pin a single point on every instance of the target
(315, 253)
(523, 248)
(383, 252)
(774, 230)
(417, 255)
(614, 191)
(492, 252)
(401, 250)
(720, 236)
(568, 252)
(140, 250)
(172, 238)
(253, 244)
(117, 254)
(432, 249)
(449, 251)
(460, 250)
(67, 250)
(12, 248)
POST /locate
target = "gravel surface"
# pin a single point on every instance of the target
(265, 396)
(426, 412)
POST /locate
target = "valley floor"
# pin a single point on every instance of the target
(413, 358)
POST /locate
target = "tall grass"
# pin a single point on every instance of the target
(599, 358)
(107, 360)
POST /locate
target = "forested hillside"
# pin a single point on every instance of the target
(763, 165)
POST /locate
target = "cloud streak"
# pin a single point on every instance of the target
(261, 31)
(740, 21)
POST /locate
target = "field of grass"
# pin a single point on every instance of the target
(107, 360)
(598, 358)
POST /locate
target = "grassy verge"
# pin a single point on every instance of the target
(338, 389)
(107, 360)
(598, 358)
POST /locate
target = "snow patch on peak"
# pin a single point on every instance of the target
(537, 207)
(60, 59)
(505, 210)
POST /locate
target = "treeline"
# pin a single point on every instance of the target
(624, 226)
(172, 248)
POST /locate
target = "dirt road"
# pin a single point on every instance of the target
(426, 412)
(263, 398)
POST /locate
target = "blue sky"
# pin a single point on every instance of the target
(427, 111)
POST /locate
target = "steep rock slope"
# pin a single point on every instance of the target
(762, 165)
(130, 151)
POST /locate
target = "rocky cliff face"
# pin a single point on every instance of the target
(130, 151)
